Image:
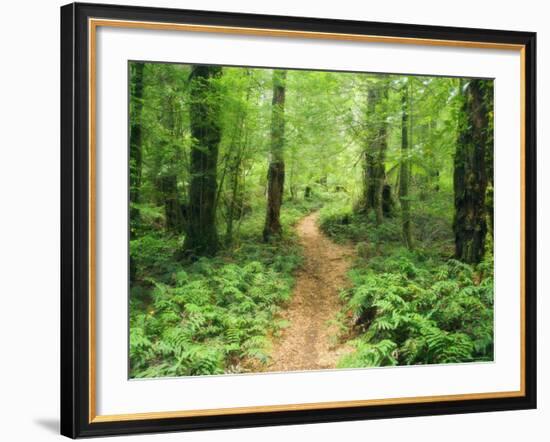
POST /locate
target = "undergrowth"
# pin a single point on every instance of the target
(411, 307)
(215, 315)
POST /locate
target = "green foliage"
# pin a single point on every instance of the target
(343, 224)
(250, 228)
(213, 316)
(218, 315)
(415, 308)
(154, 255)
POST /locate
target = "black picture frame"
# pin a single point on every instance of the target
(75, 220)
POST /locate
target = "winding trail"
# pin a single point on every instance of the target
(308, 343)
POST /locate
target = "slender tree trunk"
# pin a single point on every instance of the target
(238, 146)
(489, 156)
(292, 187)
(235, 201)
(276, 171)
(232, 204)
(433, 173)
(136, 154)
(379, 173)
(202, 235)
(136, 140)
(405, 171)
(242, 208)
(470, 173)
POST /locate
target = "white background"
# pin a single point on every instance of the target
(29, 220)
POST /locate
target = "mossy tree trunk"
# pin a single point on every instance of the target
(167, 183)
(387, 201)
(374, 172)
(471, 172)
(136, 141)
(136, 154)
(239, 145)
(201, 233)
(489, 156)
(173, 215)
(236, 199)
(276, 170)
(405, 169)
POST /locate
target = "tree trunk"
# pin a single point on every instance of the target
(236, 198)
(387, 201)
(375, 150)
(167, 183)
(405, 171)
(202, 235)
(136, 154)
(470, 173)
(292, 184)
(276, 171)
(173, 214)
(238, 146)
(489, 157)
(231, 209)
(136, 140)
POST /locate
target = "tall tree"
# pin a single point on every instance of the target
(136, 154)
(276, 170)
(204, 95)
(173, 215)
(470, 171)
(168, 179)
(238, 147)
(405, 166)
(489, 155)
(136, 141)
(374, 170)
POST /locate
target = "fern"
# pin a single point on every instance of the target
(211, 316)
(432, 311)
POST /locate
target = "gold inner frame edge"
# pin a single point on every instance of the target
(93, 24)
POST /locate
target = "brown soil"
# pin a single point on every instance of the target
(308, 343)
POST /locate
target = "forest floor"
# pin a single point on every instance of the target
(309, 342)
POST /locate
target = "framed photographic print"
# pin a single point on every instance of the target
(273, 220)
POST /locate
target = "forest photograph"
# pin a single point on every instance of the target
(292, 220)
